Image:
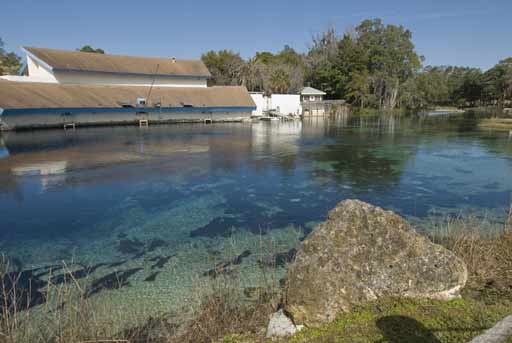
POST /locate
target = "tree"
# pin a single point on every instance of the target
(365, 65)
(498, 82)
(226, 67)
(279, 81)
(253, 76)
(470, 89)
(10, 63)
(390, 58)
(358, 88)
(265, 72)
(282, 72)
(88, 48)
(323, 70)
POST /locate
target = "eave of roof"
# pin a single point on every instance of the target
(129, 74)
(311, 91)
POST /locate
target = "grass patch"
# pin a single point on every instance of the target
(399, 320)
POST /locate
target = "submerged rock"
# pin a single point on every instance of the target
(363, 253)
(130, 246)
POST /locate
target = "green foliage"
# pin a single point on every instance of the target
(358, 88)
(444, 86)
(402, 320)
(266, 72)
(366, 66)
(279, 81)
(226, 67)
(372, 66)
(88, 48)
(498, 82)
(10, 63)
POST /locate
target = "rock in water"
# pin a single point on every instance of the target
(363, 253)
(281, 326)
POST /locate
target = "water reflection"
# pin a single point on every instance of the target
(3, 149)
(297, 169)
(364, 160)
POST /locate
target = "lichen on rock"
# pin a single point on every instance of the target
(361, 253)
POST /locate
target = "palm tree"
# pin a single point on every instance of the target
(279, 81)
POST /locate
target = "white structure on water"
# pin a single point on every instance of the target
(60, 88)
(308, 103)
(312, 101)
(285, 104)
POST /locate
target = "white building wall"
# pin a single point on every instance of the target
(286, 103)
(127, 80)
(37, 72)
(260, 102)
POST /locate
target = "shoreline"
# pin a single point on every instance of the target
(502, 124)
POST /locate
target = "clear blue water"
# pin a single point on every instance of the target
(184, 193)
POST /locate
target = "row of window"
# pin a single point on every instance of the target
(311, 98)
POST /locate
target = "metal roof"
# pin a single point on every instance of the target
(28, 95)
(311, 91)
(76, 61)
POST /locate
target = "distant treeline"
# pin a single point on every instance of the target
(372, 65)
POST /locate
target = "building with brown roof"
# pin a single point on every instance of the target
(76, 67)
(69, 88)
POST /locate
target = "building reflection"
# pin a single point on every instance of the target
(123, 153)
(276, 144)
(4, 152)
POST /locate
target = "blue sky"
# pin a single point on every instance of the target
(473, 33)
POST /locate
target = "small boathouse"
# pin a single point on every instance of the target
(60, 88)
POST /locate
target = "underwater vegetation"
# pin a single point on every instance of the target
(130, 246)
(160, 261)
(279, 259)
(222, 268)
(114, 280)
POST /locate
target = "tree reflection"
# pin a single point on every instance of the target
(364, 158)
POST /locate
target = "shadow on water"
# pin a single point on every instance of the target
(402, 329)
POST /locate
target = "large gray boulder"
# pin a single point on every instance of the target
(362, 253)
(497, 334)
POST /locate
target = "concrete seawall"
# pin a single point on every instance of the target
(54, 120)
